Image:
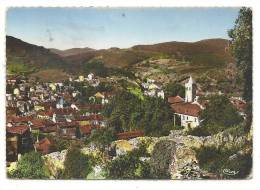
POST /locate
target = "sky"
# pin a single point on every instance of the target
(102, 28)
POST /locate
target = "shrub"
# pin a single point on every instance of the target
(129, 166)
(76, 165)
(220, 112)
(174, 89)
(102, 137)
(218, 160)
(218, 116)
(198, 131)
(30, 166)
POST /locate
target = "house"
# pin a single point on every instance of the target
(99, 95)
(152, 90)
(16, 92)
(85, 130)
(18, 141)
(49, 129)
(44, 146)
(68, 130)
(188, 112)
(240, 105)
(90, 76)
(81, 78)
(60, 103)
(187, 109)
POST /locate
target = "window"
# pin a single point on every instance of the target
(187, 117)
(24, 141)
(63, 131)
(195, 119)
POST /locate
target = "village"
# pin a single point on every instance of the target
(121, 93)
(41, 115)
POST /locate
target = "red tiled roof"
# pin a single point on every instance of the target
(68, 124)
(175, 99)
(107, 94)
(186, 109)
(239, 104)
(90, 117)
(49, 129)
(18, 119)
(17, 129)
(43, 145)
(85, 129)
(46, 113)
(90, 106)
(63, 111)
(130, 134)
(37, 123)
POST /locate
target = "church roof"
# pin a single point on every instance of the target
(175, 99)
(187, 108)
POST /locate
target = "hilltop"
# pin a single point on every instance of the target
(25, 57)
(71, 52)
(205, 52)
(209, 61)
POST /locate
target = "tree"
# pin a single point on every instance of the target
(174, 89)
(127, 112)
(30, 166)
(95, 66)
(76, 164)
(102, 137)
(219, 114)
(241, 47)
(59, 145)
(158, 117)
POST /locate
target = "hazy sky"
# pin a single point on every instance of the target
(99, 28)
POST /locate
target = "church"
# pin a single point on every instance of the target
(187, 109)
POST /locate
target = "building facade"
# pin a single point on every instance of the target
(188, 109)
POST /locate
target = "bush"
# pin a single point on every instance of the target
(102, 137)
(129, 166)
(219, 115)
(218, 160)
(174, 89)
(76, 165)
(199, 131)
(30, 166)
(59, 145)
(162, 156)
(208, 130)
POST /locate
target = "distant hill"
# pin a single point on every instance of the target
(205, 52)
(165, 59)
(25, 56)
(71, 52)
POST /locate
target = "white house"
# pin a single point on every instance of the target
(90, 76)
(187, 109)
(152, 90)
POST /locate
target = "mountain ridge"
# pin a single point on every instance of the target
(208, 53)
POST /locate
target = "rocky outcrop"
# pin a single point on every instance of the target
(223, 140)
(185, 165)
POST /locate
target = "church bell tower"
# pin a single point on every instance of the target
(190, 90)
